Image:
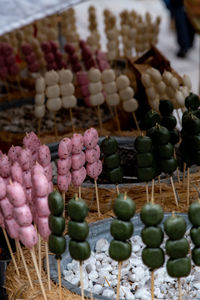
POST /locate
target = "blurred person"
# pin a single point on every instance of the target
(184, 30)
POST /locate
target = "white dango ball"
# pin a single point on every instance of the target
(122, 82)
(110, 87)
(97, 99)
(146, 80)
(39, 111)
(51, 77)
(167, 77)
(94, 75)
(69, 101)
(180, 98)
(174, 83)
(54, 104)
(39, 99)
(40, 85)
(160, 87)
(108, 75)
(130, 105)
(67, 89)
(187, 81)
(151, 93)
(65, 76)
(53, 91)
(95, 87)
(126, 94)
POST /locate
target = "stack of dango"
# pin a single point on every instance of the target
(94, 37)
(121, 230)
(57, 242)
(152, 235)
(163, 149)
(111, 160)
(73, 58)
(177, 247)
(112, 35)
(168, 120)
(145, 160)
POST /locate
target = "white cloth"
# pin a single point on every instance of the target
(17, 13)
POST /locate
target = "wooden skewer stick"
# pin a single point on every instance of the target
(25, 265)
(11, 252)
(38, 273)
(117, 188)
(71, 118)
(117, 118)
(152, 189)
(55, 126)
(97, 198)
(100, 119)
(188, 187)
(81, 280)
(59, 279)
(17, 250)
(39, 253)
(184, 171)
(174, 191)
(48, 266)
(118, 278)
(39, 127)
(152, 285)
(147, 192)
(136, 121)
(79, 191)
(180, 289)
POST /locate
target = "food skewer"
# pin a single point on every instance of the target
(152, 237)
(57, 242)
(92, 155)
(54, 102)
(79, 247)
(111, 161)
(120, 248)
(64, 166)
(27, 233)
(78, 173)
(67, 92)
(177, 248)
(10, 223)
(111, 95)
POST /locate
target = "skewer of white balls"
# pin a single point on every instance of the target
(110, 89)
(95, 86)
(126, 94)
(67, 92)
(54, 102)
(39, 108)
